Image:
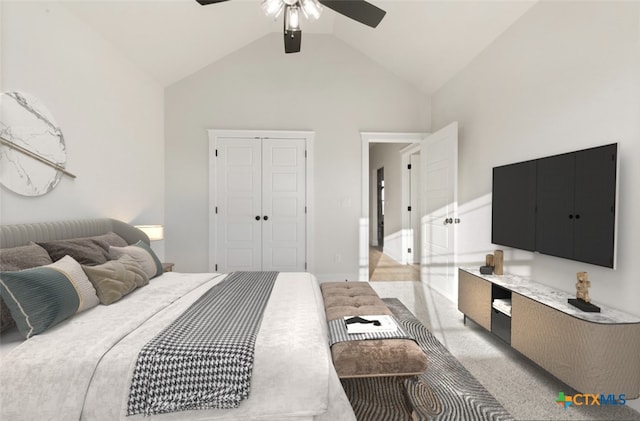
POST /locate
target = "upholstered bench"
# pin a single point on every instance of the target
(371, 357)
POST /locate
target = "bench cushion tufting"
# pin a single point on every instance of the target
(368, 358)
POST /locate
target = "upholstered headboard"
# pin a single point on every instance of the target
(21, 234)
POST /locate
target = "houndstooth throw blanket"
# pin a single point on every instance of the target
(204, 359)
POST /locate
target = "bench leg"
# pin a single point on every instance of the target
(423, 401)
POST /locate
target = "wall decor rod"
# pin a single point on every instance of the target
(35, 156)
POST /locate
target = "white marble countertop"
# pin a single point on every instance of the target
(555, 298)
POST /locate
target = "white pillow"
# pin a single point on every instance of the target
(86, 291)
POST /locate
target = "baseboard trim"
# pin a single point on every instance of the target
(336, 277)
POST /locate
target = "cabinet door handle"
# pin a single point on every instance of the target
(257, 217)
(448, 221)
(266, 218)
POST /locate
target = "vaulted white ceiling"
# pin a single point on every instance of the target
(425, 42)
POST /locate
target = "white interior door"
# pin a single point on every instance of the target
(415, 207)
(284, 205)
(239, 204)
(260, 205)
(439, 183)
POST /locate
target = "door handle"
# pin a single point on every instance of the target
(257, 217)
(448, 221)
(266, 218)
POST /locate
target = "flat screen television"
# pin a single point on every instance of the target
(562, 205)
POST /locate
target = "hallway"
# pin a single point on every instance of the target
(384, 268)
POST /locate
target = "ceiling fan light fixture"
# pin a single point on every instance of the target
(311, 8)
(359, 10)
(292, 18)
(272, 8)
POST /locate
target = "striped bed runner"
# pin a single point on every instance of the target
(204, 358)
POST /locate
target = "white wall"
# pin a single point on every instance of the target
(328, 88)
(566, 76)
(110, 113)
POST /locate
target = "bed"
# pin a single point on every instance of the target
(81, 368)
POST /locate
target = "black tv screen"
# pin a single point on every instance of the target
(514, 205)
(562, 205)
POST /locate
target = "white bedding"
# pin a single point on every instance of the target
(81, 368)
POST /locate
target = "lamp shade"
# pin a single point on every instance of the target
(154, 232)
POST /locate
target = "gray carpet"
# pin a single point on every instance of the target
(446, 391)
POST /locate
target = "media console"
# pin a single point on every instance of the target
(591, 352)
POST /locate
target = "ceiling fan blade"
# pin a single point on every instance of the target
(205, 2)
(359, 10)
(292, 40)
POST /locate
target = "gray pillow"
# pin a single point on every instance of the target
(112, 239)
(23, 257)
(14, 259)
(86, 251)
(116, 278)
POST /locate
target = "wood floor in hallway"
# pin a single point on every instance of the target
(384, 268)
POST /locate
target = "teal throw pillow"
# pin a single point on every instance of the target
(41, 297)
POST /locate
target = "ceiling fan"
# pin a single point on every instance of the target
(358, 10)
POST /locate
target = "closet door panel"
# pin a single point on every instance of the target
(284, 198)
(239, 234)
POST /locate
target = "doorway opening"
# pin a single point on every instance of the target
(380, 207)
(369, 226)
